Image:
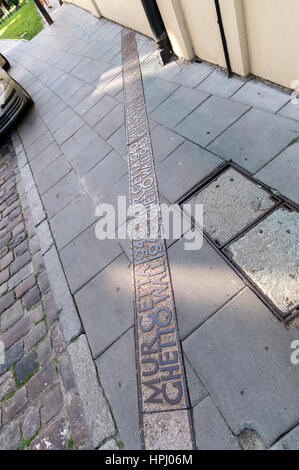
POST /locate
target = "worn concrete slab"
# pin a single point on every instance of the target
(85, 256)
(96, 181)
(177, 106)
(164, 142)
(260, 95)
(210, 429)
(268, 254)
(230, 203)
(241, 354)
(156, 91)
(288, 442)
(111, 122)
(210, 119)
(185, 167)
(167, 431)
(255, 139)
(202, 283)
(112, 291)
(72, 220)
(290, 110)
(196, 388)
(59, 195)
(121, 388)
(282, 173)
(218, 84)
(52, 174)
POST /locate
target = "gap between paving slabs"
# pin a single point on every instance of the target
(95, 411)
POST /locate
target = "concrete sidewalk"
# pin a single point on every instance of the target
(237, 354)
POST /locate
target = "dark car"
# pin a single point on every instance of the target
(4, 62)
(13, 98)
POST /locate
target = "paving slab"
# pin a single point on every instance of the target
(99, 110)
(111, 122)
(45, 157)
(118, 141)
(230, 203)
(202, 283)
(255, 139)
(218, 84)
(85, 256)
(156, 91)
(61, 194)
(268, 254)
(288, 442)
(112, 289)
(282, 173)
(164, 142)
(183, 169)
(73, 219)
(261, 95)
(107, 172)
(210, 119)
(121, 387)
(196, 388)
(241, 354)
(85, 142)
(52, 174)
(210, 429)
(290, 110)
(167, 431)
(178, 105)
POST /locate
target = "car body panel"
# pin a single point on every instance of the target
(13, 100)
(4, 62)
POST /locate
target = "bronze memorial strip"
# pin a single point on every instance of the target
(163, 396)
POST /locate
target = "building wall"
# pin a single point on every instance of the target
(262, 35)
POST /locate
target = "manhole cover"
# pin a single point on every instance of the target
(269, 255)
(230, 203)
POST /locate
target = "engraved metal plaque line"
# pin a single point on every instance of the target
(160, 367)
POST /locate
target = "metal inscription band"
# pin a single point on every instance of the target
(161, 373)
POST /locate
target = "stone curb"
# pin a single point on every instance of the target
(69, 318)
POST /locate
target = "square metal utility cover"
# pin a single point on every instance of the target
(269, 255)
(230, 203)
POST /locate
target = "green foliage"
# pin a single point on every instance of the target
(24, 23)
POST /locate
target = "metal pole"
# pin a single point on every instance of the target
(44, 12)
(158, 29)
(224, 43)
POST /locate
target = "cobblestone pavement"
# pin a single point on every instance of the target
(40, 400)
(72, 155)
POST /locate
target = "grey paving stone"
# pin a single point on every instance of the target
(210, 119)
(31, 423)
(47, 156)
(110, 445)
(282, 173)
(288, 442)
(68, 129)
(61, 194)
(183, 169)
(196, 388)
(107, 172)
(25, 367)
(230, 203)
(121, 387)
(61, 301)
(39, 146)
(255, 139)
(85, 256)
(218, 84)
(268, 254)
(51, 402)
(211, 430)
(44, 351)
(261, 95)
(167, 430)
(113, 288)
(10, 438)
(118, 141)
(99, 110)
(164, 142)
(14, 354)
(175, 108)
(290, 110)
(54, 437)
(202, 283)
(52, 173)
(85, 142)
(72, 220)
(188, 74)
(14, 405)
(156, 91)
(95, 407)
(119, 189)
(111, 122)
(11, 316)
(89, 101)
(248, 353)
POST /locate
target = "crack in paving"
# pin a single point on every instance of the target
(165, 417)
